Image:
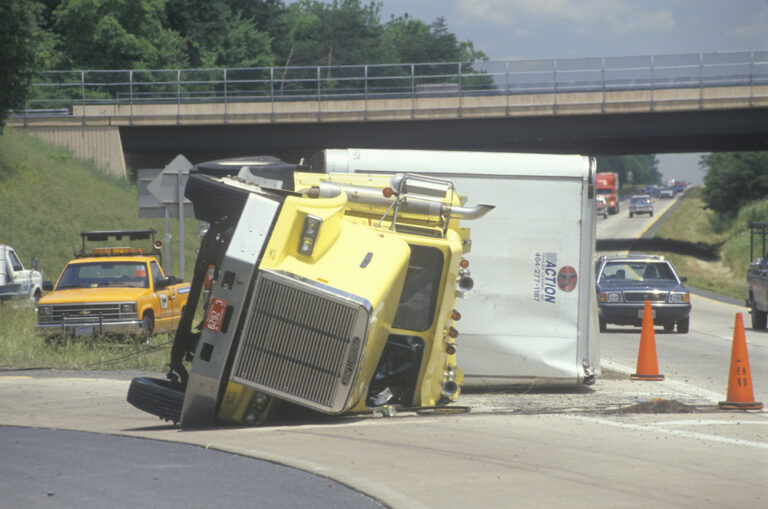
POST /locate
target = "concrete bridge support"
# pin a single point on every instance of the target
(100, 144)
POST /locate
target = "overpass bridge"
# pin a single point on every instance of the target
(610, 105)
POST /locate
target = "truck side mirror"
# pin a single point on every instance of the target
(167, 281)
(34, 264)
(47, 286)
(683, 279)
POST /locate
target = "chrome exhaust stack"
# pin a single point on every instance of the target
(411, 196)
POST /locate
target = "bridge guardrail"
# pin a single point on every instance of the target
(59, 93)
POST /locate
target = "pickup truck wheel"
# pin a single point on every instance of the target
(147, 326)
(683, 325)
(669, 327)
(603, 325)
(758, 318)
(157, 397)
(631, 215)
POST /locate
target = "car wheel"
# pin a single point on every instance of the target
(157, 397)
(758, 317)
(669, 327)
(147, 326)
(603, 325)
(630, 214)
(683, 325)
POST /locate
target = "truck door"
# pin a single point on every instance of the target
(165, 317)
(17, 274)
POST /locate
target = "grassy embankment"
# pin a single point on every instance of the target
(47, 198)
(691, 222)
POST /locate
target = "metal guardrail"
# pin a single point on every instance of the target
(56, 93)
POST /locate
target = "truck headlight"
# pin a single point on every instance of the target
(129, 307)
(679, 298)
(610, 297)
(45, 310)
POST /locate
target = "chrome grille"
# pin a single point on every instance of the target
(87, 313)
(644, 296)
(301, 343)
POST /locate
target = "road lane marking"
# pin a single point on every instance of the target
(675, 432)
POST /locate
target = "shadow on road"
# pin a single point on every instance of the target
(700, 250)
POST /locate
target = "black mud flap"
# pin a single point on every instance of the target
(157, 397)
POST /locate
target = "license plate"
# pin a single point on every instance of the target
(83, 331)
(641, 312)
(215, 316)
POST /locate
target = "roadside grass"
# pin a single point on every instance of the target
(691, 221)
(21, 348)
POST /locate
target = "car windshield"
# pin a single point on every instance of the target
(637, 272)
(96, 274)
(640, 201)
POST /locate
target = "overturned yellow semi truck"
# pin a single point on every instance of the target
(335, 293)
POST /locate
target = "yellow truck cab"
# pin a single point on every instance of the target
(113, 290)
(337, 295)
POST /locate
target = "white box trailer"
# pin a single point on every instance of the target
(532, 315)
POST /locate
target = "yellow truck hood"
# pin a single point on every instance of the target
(105, 294)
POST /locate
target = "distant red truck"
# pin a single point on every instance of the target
(607, 185)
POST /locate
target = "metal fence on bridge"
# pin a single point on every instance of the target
(56, 93)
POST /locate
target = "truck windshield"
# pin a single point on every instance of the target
(422, 284)
(92, 275)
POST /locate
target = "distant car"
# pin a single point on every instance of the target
(624, 283)
(601, 206)
(667, 192)
(640, 205)
(652, 190)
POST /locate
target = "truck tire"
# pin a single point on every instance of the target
(157, 397)
(603, 325)
(683, 325)
(147, 326)
(758, 317)
(213, 200)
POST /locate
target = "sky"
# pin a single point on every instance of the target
(526, 29)
(521, 29)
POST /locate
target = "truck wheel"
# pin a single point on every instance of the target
(603, 325)
(758, 318)
(147, 326)
(157, 397)
(630, 214)
(214, 200)
(683, 325)
(669, 327)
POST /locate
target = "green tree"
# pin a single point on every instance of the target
(734, 179)
(116, 34)
(22, 44)
(339, 33)
(224, 33)
(642, 168)
(409, 40)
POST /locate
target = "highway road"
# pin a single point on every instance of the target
(701, 357)
(618, 443)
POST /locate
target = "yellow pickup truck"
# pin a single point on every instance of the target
(113, 290)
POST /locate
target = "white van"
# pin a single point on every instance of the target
(532, 317)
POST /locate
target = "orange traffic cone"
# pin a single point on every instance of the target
(647, 365)
(740, 395)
